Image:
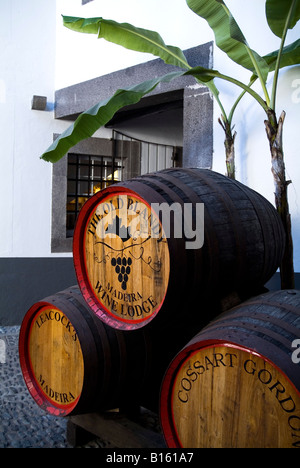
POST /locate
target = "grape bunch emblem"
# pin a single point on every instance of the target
(122, 268)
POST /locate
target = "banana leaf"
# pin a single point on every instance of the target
(133, 38)
(151, 42)
(282, 14)
(229, 36)
(128, 36)
(290, 56)
(100, 114)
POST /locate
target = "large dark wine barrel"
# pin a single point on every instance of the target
(74, 363)
(127, 276)
(237, 383)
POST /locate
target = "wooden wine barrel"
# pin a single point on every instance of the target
(128, 265)
(237, 383)
(73, 363)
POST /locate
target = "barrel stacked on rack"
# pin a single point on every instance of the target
(149, 271)
(148, 283)
(236, 384)
(73, 363)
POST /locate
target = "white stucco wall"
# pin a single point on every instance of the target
(27, 58)
(83, 56)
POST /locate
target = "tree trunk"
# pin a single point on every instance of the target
(274, 132)
(229, 148)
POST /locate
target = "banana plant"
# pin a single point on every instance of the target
(231, 40)
(281, 15)
(146, 41)
(133, 38)
(140, 40)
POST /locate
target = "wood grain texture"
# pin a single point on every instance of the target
(224, 397)
(235, 383)
(127, 266)
(73, 363)
(119, 430)
(56, 357)
(243, 247)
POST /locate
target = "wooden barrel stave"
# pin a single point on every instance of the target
(243, 215)
(260, 332)
(215, 219)
(243, 242)
(101, 349)
(194, 267)
(249, 208)
(114, 365)
(253, 263)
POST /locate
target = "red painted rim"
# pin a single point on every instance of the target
(35, 390)
(166, 396)
(87, 292)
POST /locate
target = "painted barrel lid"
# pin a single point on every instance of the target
(236, 384)
(225, 396)
(51, 359)
(145, 248)
(121, 258)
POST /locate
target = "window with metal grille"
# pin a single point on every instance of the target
(86, 176)
(153, 156)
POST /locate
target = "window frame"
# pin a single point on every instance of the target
(129, 152)
(60, 243)
(84, 168)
